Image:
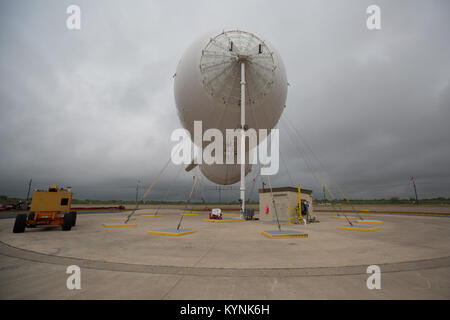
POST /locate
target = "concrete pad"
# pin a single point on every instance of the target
(227, 261)
(172, 232)
(244, 247)
(278, 234)
(359, 228)
(151, 215)
(369, 221)
(24, 279)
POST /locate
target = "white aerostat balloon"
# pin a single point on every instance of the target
(207, 88)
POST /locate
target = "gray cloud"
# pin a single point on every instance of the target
(94, 108)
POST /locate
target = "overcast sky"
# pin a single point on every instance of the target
(94, 108)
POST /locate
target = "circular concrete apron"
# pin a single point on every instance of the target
(238, 249)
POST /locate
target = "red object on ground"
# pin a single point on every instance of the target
(8, 206)
(267, 209)
(215, 214)
(15, 206)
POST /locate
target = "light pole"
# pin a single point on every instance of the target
(415, 190)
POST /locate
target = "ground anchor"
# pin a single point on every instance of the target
(174, 232)
(280, 234)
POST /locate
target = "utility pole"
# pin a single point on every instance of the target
(137, 191)
(415, 190)
(29, 187)
(242, 136)
(324, 197)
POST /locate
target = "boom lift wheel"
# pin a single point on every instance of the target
(74, 218)
(20, 223)
(68, 221)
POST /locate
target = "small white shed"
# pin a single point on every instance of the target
(286, 198)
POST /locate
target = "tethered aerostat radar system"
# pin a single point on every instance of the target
(216, 74)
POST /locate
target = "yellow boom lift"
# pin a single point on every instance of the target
(48, 208)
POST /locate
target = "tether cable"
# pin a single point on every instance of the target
(169, 189)
(273, 201)
(190, 195)
(322, 166)
(150, 187)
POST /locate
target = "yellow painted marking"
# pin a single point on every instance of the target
(151, 215)
(172, 234)
(359, 229)
(281, 236)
